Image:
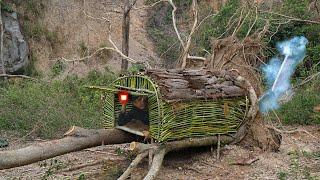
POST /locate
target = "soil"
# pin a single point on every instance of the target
(298, 158)
(82, 28)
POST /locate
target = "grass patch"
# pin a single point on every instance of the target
(57, 68)
(52, 107)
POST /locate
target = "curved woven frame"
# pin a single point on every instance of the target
(172, 121)
(141, 84)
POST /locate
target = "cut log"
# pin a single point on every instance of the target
(75, 139)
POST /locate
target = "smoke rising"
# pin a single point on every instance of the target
(278, 72)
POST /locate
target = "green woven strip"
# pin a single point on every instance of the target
(201, 118)
(109, 111)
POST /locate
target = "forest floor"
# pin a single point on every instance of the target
(298, 158)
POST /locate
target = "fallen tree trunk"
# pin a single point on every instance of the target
(75, 139)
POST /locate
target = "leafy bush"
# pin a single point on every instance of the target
(53, 107)
(300, 109)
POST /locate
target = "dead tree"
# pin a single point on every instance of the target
(126, 32)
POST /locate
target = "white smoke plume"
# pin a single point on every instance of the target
(278, 72)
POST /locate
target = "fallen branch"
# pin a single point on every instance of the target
(133, 164)
(84, 165)
(245, 162)
(75, 140)
(18, 76)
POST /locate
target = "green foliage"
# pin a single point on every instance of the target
(300, 109)
(35, 7)
(226, 22)
(6, 7)
(53, 107)
(83, 49)
(51, 166)
(82, 177)
(282, 175)
(167, 46)
(297, 168)
(299, 9)
(57, 68)
(38, 32)
(31, 11)
(30, 70)
(296, 8)
(136, 68)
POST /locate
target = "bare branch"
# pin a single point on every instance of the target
(149, 6)
(204, 19)
(240, 23)
(188, 43)
(196, 58)
(255, 20)
(174, 22)
(113, 48)
(290, 17)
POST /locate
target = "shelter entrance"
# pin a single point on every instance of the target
(131, 112)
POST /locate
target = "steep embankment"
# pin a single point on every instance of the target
(77, 28)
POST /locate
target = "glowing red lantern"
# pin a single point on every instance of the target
(123, 97)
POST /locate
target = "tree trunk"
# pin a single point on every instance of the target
(2, 67)
(75, 139)
(125, 34)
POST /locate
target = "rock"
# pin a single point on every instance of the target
(3, 143)
(15, 48)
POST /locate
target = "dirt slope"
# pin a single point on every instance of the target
(80, 32)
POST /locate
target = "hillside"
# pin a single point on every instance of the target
(74, 29)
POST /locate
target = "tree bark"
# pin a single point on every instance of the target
(125, 34)
(2, 67)
(75, 139)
